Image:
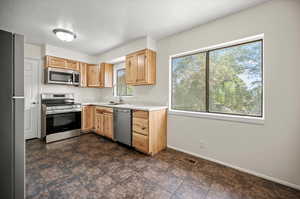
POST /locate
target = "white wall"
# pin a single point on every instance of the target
(272, 149)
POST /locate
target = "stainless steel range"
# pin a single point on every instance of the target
(61, 117)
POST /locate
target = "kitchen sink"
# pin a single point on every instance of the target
(115, 103)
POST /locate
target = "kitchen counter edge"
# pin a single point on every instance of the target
(130, 106)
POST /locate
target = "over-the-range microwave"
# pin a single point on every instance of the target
(62, 76)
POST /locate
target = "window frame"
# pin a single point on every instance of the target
(118, 66)
(216, 115)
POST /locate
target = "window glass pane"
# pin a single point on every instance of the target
(235, 79)
(188, 82)
(122, 88)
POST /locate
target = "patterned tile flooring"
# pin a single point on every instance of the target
(90, 167)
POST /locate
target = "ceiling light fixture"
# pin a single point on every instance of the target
(64, 35)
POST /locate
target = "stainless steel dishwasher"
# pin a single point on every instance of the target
(122, 125)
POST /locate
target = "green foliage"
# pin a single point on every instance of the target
(235, 81)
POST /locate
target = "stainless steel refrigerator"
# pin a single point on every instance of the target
(12, 143)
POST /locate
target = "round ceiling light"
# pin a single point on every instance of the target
(64, 35)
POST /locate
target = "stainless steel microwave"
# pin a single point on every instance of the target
(62, 76)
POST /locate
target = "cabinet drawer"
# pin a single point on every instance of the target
(100, 109)
(140, 142)
(140, 114)
(140, 125)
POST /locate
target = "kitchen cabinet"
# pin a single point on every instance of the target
(72, 65)
(108, 125)
(83, 74)
(149, 131)
(104, 121)
(57, 62)
(99, 121)
(149, 128)
(106, 75)
(93, 75)
(141, 68)
(100, 76)
(140, 142)
(130, 69)
(87, 118)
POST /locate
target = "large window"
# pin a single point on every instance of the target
(225, 80)
(121, 88)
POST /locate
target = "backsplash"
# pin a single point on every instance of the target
(81, 94)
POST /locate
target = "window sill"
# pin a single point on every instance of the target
(232, 118)
(124, 96)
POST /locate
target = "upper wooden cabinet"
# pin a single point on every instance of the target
(130, 69)
(57, 62)
(106, 75)
(83, 74)
(93, 75)
(141, 68)
(72, 65)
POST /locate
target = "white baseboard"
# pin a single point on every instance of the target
(295, 186)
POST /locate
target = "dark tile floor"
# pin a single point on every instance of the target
(93, 167)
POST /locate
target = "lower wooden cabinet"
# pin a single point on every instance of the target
(104, 122)
(99, 121)
(87, 118)
(108, 125)
(149, 128)
(140, 142)
(149, 131)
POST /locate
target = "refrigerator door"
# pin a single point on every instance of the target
(18, 119)
(6, 115)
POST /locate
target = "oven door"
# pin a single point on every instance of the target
(61, 122)
(59, 76)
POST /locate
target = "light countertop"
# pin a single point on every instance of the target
(129, 106)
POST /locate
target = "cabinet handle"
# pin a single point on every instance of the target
(143, 128)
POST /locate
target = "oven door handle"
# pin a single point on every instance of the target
(60, 112)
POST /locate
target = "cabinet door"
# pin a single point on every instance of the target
(108, 126)
(72, 65)
(130, 69)
(102, 75)
(108, 76)
(140, 142)
(55, 62)
(141, 67)
(99, 124)
(83, 74)
(93, 76)
(87, 118)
